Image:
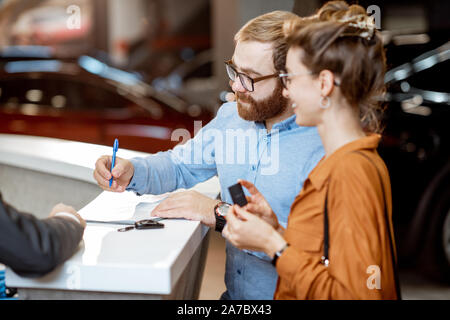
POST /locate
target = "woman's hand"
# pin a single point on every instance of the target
(259, 206)
(248, 231)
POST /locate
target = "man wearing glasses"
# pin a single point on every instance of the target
(264, 125)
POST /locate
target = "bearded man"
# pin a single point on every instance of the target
(255, 138)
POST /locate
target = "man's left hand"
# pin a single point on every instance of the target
(190, 205)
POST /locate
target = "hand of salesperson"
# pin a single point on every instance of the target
(61, 207)
(122, 173)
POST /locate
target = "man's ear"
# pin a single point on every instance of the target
(326, 80)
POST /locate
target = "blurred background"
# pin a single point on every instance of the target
(95, 70)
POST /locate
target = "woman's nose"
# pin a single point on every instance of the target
(285, 93)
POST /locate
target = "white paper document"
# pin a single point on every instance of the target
(114, 206)
(111, 206)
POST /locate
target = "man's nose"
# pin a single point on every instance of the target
(237, 86)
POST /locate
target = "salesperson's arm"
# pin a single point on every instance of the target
(358, 242)
(34, 247)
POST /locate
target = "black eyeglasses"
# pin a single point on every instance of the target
(247, 82)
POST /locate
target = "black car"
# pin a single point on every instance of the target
(416, 149)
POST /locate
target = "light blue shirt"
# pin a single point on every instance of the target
(276, 162)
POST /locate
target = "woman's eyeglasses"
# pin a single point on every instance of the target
(247, 82)
(286, 78)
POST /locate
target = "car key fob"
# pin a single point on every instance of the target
(237, 194)
(148, 224)
(143, 224)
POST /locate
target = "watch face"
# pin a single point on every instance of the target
(223, 209)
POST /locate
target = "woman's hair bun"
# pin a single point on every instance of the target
(355, 17)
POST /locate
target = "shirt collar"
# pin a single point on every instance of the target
(286, 124)
(322, 171)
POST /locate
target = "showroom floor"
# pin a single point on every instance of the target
(213, 284)
(413, 286)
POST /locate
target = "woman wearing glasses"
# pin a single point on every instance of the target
(338, 243)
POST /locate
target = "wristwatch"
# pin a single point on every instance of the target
(278, 254)
(220, 211)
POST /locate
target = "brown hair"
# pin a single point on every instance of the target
(344, 40)
(268, 28)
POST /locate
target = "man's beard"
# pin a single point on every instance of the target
(264, 109)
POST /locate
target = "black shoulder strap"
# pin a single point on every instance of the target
(326, 246)
(326, 239)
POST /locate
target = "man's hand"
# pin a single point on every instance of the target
(61, 207)
(190, 205)
(122, 172)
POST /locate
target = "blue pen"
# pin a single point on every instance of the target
(113, 161)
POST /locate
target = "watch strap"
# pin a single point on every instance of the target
(220, 220)
(220, 223)
(278, 254)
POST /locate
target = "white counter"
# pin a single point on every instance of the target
(55, 156)
(149, 262)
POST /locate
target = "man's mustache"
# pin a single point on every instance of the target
(243, 98)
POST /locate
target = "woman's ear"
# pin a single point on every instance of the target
(326, 79)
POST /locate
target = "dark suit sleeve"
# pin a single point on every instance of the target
(34, 247)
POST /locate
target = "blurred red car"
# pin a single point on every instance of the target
(86, 100)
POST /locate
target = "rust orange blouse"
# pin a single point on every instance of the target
(359, 253)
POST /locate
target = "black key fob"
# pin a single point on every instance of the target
(148, 224)
(238, 195)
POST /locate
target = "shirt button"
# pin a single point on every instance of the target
(239, 271)
(253, 168)
(134, 184)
